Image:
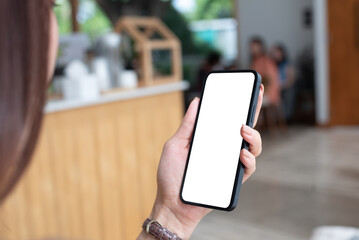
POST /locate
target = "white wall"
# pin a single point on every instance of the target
(275, 21)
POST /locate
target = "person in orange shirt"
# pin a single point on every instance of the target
(265, 66)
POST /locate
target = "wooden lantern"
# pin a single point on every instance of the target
(142, 30)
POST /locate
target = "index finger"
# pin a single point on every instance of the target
(259, 105)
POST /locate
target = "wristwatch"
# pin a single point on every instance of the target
(153, 228)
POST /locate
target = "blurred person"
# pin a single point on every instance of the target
(211, 63)
(286, 74)
(263, 64)
(28, 46)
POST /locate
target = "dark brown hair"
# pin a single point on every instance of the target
(24, 44)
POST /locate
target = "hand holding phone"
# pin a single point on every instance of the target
(168, 209)
(214, 172)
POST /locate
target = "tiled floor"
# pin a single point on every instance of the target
(304, 180)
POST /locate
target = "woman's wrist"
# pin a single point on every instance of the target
(182, 227)
(168, 220)
(165, 216)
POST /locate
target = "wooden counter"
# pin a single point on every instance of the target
(93, 175)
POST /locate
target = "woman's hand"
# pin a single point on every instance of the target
(168, 209)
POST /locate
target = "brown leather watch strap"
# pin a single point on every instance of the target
(155, 229)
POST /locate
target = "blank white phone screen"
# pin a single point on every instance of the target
(217, 141)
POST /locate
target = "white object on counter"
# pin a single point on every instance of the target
(84, 87)
(79, 84)
(76, 69)
(109, 48)
(101, 70)
(128, 79)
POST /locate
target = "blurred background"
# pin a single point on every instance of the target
(126, 71)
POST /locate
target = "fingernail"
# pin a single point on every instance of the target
(196, 99)
(247, 130)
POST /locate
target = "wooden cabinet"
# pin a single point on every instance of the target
(344, 61)
(93, 175)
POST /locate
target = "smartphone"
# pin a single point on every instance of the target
(213, 173)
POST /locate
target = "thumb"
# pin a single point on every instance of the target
(187, 125)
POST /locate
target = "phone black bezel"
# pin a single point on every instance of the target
(250, 120)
